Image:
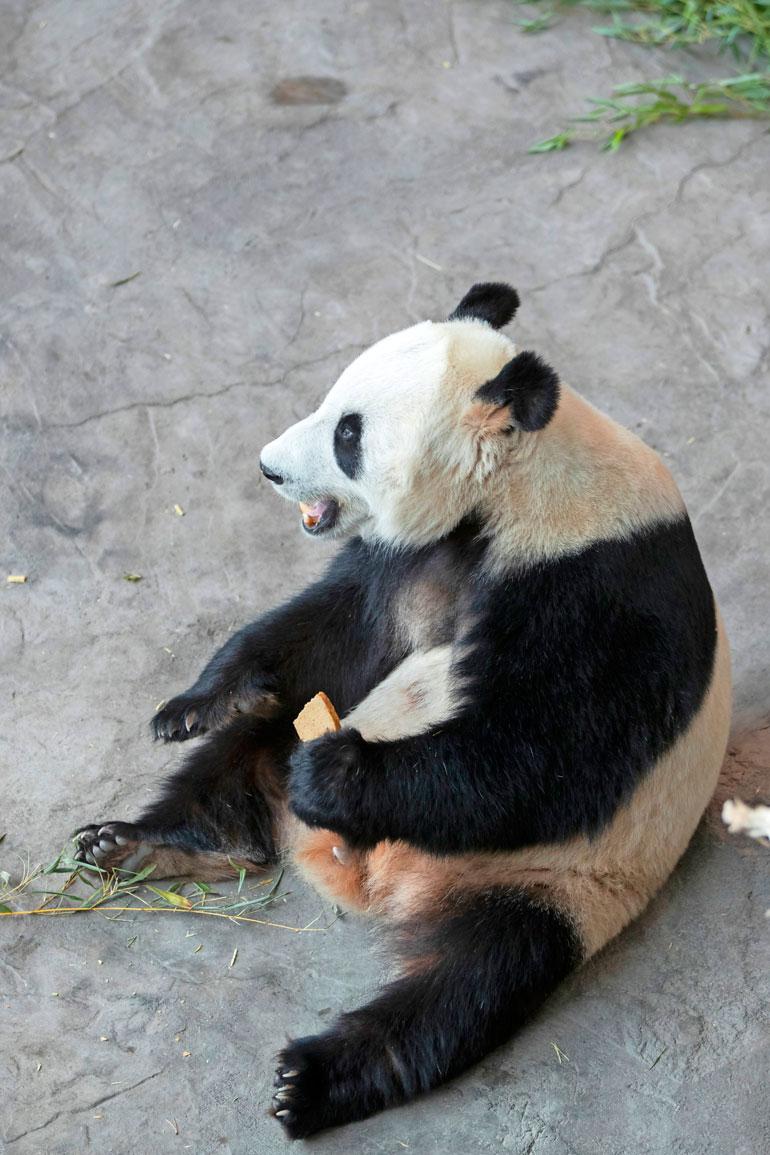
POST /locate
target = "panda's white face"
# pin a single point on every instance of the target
(393, 452)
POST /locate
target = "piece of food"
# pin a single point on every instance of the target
(16, 579)
(316, 718)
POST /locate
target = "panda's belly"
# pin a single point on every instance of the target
(426, 612)
(424, 615)
(431, 605)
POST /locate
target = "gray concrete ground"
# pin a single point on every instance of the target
(273, 228)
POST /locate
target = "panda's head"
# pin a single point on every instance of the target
(406, 443)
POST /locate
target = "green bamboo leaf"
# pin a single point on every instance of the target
(552, 144)
(613, 143)
(53, 867)
(95, 899)
(536, 24)
(179, 900)
(59, 893)
(80, 866)
(240, 870)
(273, 889)
(135, 877)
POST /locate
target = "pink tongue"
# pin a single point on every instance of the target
(318, 510)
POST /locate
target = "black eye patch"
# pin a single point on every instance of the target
(347, 443)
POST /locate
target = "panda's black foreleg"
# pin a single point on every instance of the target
(472, 976)
(270, 668)
(369, 791)
(212, 702)
(221, 807)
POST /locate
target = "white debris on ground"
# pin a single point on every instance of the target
(743, 819)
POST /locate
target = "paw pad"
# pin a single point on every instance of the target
(110, 845)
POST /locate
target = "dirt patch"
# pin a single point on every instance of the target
(308, 90)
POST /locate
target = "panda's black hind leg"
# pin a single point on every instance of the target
(127, 848)
(473, 975)
(222, 807)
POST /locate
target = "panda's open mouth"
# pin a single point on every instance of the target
(320, 516)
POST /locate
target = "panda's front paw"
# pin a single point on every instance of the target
(327, 780)
(191, 714)
(183, 717)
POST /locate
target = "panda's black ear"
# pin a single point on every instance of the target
(528, 387)
(490, 301)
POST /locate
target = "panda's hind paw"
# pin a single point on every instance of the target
(111, 846)
(324, 1081)
(300, 1101)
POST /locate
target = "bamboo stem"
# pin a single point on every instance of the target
(157, 910)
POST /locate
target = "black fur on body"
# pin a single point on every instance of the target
(531, 760)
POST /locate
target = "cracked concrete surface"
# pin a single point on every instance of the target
(274, 224)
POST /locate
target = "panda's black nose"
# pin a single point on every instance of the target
(274, 477)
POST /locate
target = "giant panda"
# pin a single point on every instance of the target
(534, 685)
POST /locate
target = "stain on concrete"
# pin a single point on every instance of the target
(308, 90)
